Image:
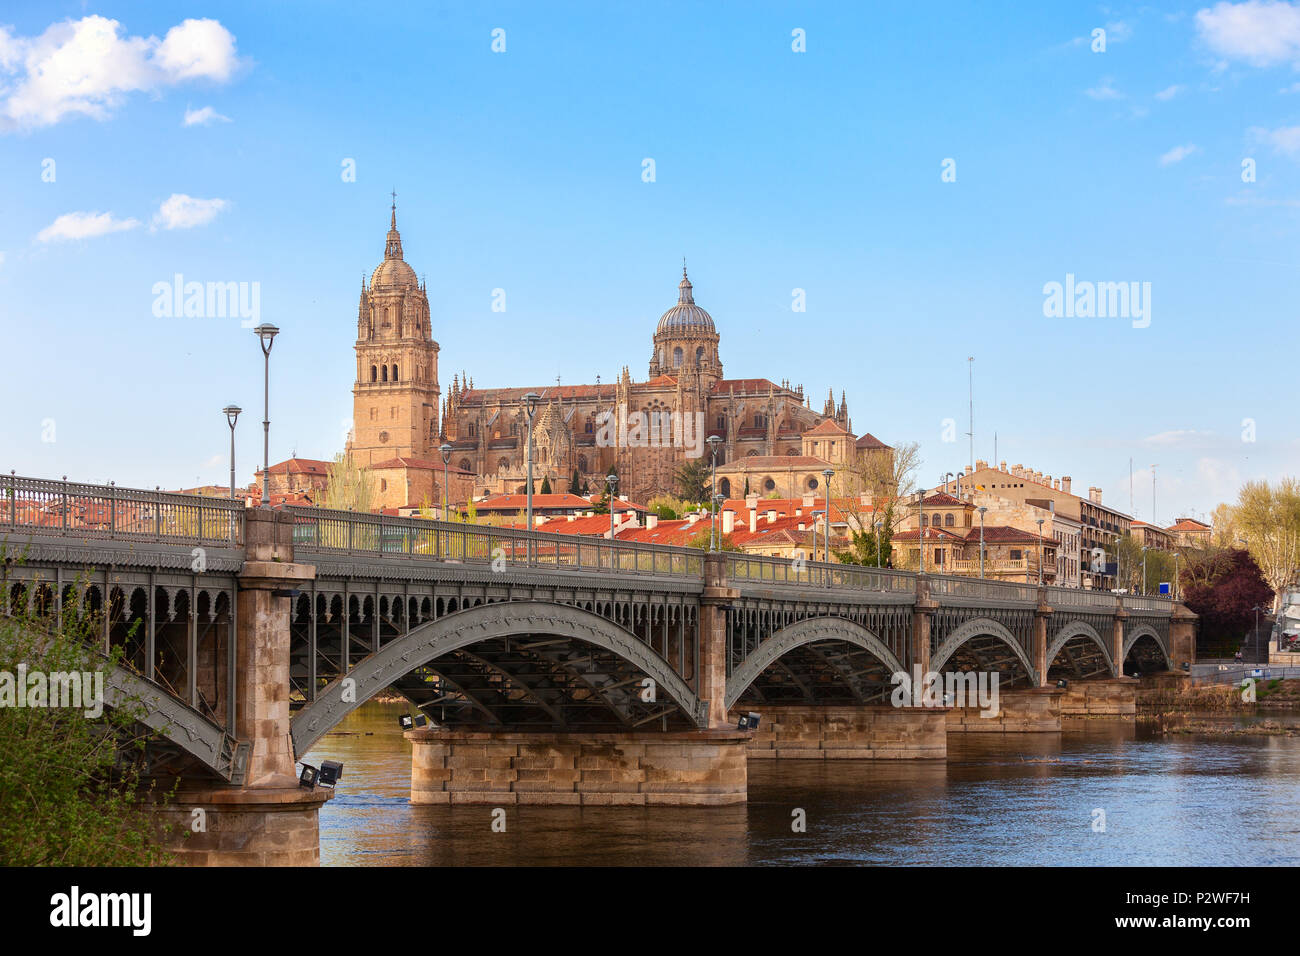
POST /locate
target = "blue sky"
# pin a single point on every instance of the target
(774, 170)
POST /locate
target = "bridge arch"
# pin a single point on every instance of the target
(475, 624)
(981, 627)
(799, 634)
(1068, 633)
(1136, 634)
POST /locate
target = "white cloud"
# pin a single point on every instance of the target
(1284, 139)
(202, 117)
(179, 211)
(1218, 478)
(1178, 154)
(1118, 32)
(1261, 32)
(1177, 436)
(1105, 91)
(1169, 92)
(84, 225)
(88, 67)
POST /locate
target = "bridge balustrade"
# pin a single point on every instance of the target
(980, 589)
(44, 506)
(346, 532)
(761, 569)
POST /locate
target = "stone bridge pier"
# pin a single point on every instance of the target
(268, 820)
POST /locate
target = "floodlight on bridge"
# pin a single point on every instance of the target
(331, 771)
(421, 720)
(406, 721)
(1062, 683)
(748, 721)
(307, 779)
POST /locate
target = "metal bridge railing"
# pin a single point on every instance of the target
(954, 586)
(1081, 597)
(355, 533)
(759, 569)
(46, 506)
(1148, 602)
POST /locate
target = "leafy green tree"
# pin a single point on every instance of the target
(546, 485)
(667, 507)
(692, 480)
(723, 541)
(349, 487)
(862, 544)
(575, 483)
(72, 788)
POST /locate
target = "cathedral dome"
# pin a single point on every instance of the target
(686, 316)
(393, 272)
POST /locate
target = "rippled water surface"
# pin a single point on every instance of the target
(1026, 799)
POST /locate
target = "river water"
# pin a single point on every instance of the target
(998, 800)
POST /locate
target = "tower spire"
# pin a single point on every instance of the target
(393, 247)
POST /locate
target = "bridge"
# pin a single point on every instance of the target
(552, 668)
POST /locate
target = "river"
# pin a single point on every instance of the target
(1014, 800)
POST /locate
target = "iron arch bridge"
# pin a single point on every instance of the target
(512, 629)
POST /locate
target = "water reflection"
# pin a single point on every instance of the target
(999, 800)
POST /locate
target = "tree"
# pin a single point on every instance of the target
(889, 477)
(1223, 520)
(546, 485)
(693, 480)
(747, 492)
(723, 541)
(667, 507)
(1224, 587)
(350, 487)
(574, 483)
(71, 786)
(1268, 518)
(862, 543)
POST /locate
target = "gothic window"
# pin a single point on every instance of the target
(394, 371)
(760, 420)
(582, 463)
(677, 357)
(947, 521)
(724, 487)
(472, 429)
(374, 374)
(590, 425)
(464, 464)
(699, 356)
(385, 373)
(722, 422)
(383, 484)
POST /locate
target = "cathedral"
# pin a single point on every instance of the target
(398, 420)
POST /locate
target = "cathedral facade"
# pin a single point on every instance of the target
(397, 413)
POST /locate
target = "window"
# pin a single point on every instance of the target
(699, 356)
(374, 373)
(769, 484)
(374, 413)
(924, 519)
(394, 371)
(722, 422)
(812, 483)
(677, 357)
(1016, 554)
(948, 521)
(385, 373)
(760, 421)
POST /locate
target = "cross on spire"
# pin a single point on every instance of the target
(394, 199)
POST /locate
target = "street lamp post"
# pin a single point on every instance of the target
(983, 508)
(1176, 557)
(1144, 569)
(828, 474)
(445, 450)
(530, 404)
(1040, 552)
(232, 415)
(920, 528)
(714, 441)
(266, 334)
(877, 544)
(612, 480)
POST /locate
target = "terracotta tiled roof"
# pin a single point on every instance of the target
(1188, 524)
(933, 534)
(298, 466)
(1006, 535)
(421, 464)
(943, 500)
(563, 501)
(869, 440)
(828, 427)
(478, 396)
(746, 385)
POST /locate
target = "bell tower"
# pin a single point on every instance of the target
(395, 399)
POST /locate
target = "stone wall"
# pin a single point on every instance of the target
(500, 768)
(1035, 710)
(849, 732)
(1104, 697)
(245, 827)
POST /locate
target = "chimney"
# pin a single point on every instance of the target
(651, 520)
(1002, 466)
(753, 520)
(1056, 485)
(728, 521)
(1065, 484)
(808, 500)
(771, 516)
(751, 500)
(1094, 495)
(980, 464)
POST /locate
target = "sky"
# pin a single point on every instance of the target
(923, 176)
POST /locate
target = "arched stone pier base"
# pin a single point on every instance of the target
(245, 826)
(861, 732)
(1101, 697)
(504, 768)
(1025, 711)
